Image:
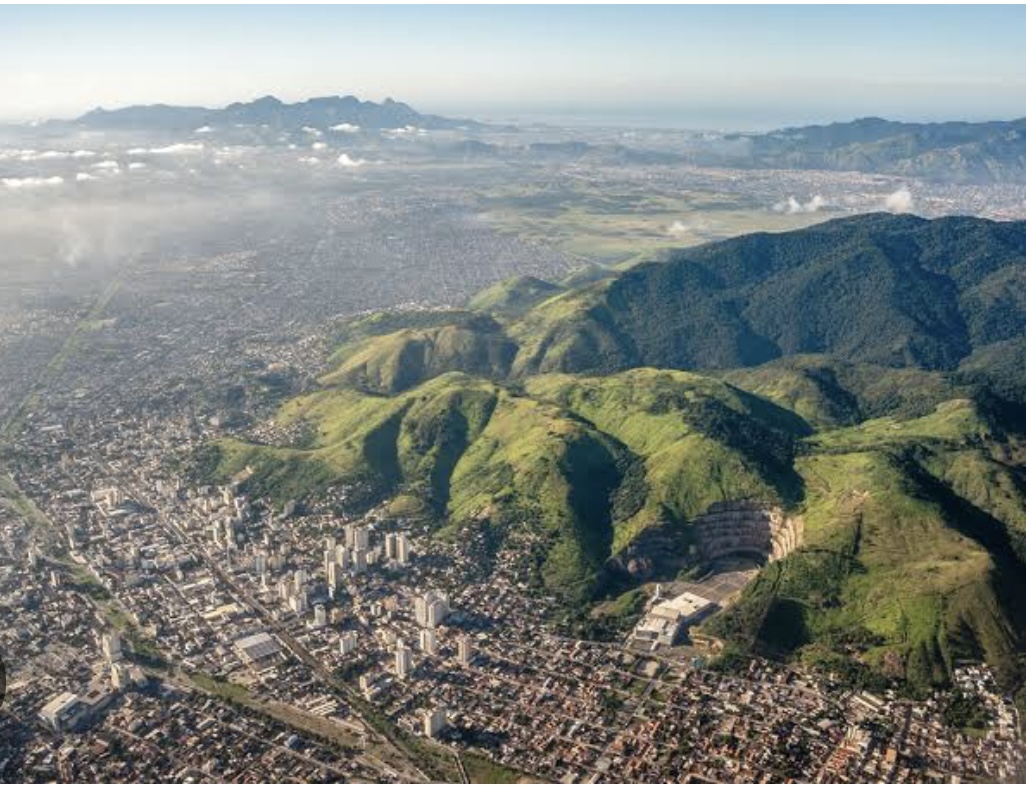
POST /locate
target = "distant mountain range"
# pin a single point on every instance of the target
(321, 113)
(866, 377)
(956, 151)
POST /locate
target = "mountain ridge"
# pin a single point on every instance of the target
(877, 288)
(906, 472)
(957, 151)
(321, 111)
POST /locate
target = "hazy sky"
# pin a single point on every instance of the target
(743, 67)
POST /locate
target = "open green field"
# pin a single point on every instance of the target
(623, 225)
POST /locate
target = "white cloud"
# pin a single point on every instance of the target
(173, 149)
(405, 131)
(346, 161)
(235, 151)
(31, 182)
(309, 160)
(312, 131)
(30, 155)
(179, 147)
(36, 156)
(108, 165)
(85, 177)
(319, 146)
(203, 130)
(793, 206)
(346, 128)
(137, 165)
(899, 202)
(678, 229)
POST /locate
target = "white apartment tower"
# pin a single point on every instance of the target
(347, 642)
(110, 643)
(429, 642)
(403, 659)
(435, 721)
(431, 609)
(464, 650)
(402, 550)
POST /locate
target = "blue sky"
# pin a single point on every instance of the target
(742, 67)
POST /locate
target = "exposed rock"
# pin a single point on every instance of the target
(747, 527)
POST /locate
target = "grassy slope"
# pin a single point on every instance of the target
(830, 393)
(591, 463)
(535, 467)
(694, 436)
(897, 569)
(397, 361)
(513, 296)
(464, 449)
(914, 502)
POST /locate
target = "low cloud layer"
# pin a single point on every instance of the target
(30, 155)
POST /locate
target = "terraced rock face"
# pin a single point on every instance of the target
(733, 528)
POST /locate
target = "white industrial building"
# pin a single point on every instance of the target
(666, 619)
(259, 650)
(64, 712)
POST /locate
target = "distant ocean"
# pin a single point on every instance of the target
(684, 118)
(742, 119)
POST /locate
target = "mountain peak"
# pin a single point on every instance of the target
(269, 110)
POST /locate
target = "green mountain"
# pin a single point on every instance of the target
(845, 393)
(393, 362)
(514, 296)
(960, 152)
(897, 291)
